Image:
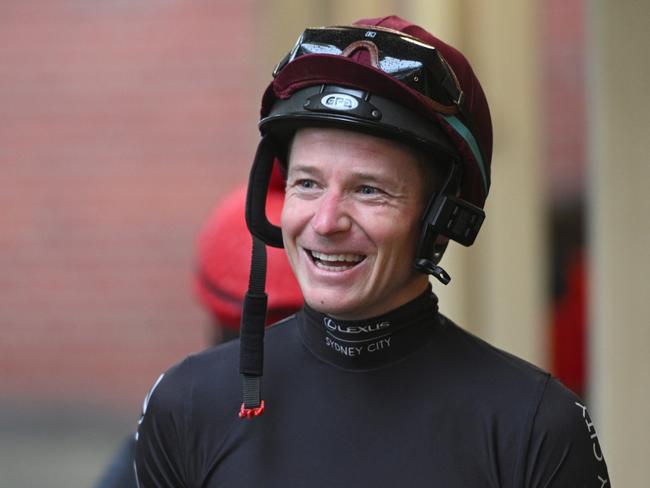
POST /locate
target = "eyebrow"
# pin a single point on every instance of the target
(355, 175)
(303, 169)
(372, 178)
(313, 169)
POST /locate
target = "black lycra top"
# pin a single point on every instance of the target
(406, 399)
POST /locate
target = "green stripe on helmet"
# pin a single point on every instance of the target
(468, 137)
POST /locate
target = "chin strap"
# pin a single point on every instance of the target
(258, 187)
(429, 267)
(251, 354)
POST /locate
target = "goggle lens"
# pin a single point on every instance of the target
(403, 57)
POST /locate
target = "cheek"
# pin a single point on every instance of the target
(288, 217)
(283, 218)
(400, 242)
(293, 219)
(297, 213)
(288, 240)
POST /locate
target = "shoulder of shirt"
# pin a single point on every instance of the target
(483, 351)
(210, 374)
(563, 445)
(558, 434)
(223, 355)
(220, 357)
(489, 377)
(556, 402)
(198, 396)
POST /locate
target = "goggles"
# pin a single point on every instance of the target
(403, 57)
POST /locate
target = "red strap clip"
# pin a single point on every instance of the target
(249, 413)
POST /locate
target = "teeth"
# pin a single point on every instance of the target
(350, 258)
(332, 268)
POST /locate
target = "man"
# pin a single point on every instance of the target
(386, 139)
(223, 249)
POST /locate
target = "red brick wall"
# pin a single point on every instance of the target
(121, 122)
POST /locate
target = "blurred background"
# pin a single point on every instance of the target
(123, 121)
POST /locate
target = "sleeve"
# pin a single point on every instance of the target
(161, 439)
(119, 473)
(564, 449)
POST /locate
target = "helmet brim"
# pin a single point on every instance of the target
(406, 115)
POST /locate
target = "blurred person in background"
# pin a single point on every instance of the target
(386, 138)
(223, 253)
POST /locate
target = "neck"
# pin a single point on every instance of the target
(407, 294)
(372, 342)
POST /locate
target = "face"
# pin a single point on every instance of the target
(350, 222)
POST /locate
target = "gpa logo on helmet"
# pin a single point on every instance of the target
(339, 101)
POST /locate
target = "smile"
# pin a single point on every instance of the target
(335, 262)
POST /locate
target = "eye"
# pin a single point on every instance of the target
(369, 190)
(306, 184)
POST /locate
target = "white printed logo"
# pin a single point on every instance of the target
(594, 438)
(339, 101)
(355, 329)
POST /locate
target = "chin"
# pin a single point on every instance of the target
(333, 306)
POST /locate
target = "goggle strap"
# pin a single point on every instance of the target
(368, 46)
(452, 85)
(445, 110)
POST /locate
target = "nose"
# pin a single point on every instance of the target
(331, 216)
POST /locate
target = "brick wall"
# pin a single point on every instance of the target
(121, 122)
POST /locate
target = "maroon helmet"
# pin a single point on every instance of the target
(390, 78)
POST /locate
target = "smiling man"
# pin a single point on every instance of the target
(385, 138)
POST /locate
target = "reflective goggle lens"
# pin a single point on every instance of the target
(401, 56)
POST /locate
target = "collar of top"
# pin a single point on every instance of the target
(372, 343)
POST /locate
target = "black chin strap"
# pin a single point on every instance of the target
(251, 353)
(258, 187)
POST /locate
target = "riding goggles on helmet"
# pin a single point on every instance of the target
(405, 58)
